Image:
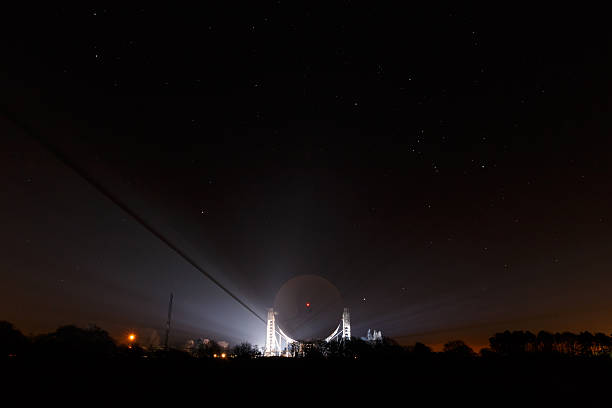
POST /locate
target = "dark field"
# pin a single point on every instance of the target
(433, 381)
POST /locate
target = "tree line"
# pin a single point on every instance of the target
(72, 342)
(521, 342)
(95, 343)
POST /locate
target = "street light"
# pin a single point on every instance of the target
(131, 339)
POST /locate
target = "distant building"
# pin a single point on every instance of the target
(373, 335)
(193, 344)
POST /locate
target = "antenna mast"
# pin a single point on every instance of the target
(169, 320)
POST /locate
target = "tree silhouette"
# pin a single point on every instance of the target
(501, 343)
(295, 349)
(74, 342)
(457, 348)
(569, 343)
(420, 349)
(603, 343)
(208, 349)
(529, 342)
(335, 349)
(12, 342)
(545, 342)
(314, 349)
(586, 344)
(514, 343)
(359, 348)
(245, 351)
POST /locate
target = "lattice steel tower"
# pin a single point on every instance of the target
(346, 324)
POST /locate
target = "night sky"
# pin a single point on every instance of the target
(443, 172)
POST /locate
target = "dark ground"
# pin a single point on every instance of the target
(436, 381)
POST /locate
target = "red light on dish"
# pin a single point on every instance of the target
(307, 304)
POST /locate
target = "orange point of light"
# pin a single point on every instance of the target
(132, 337)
